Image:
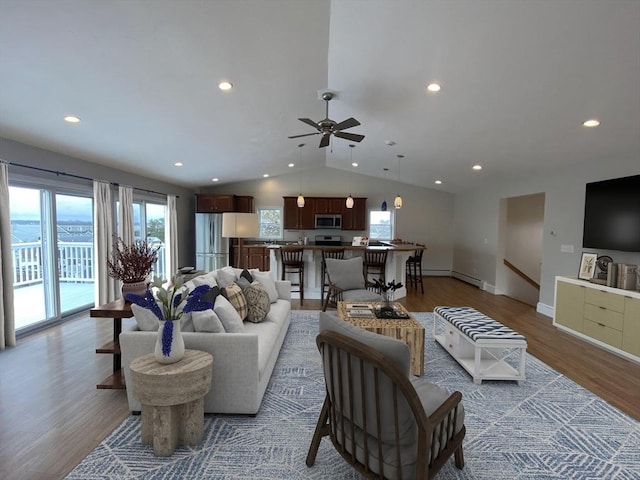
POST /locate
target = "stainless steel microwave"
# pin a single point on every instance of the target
(328, 221)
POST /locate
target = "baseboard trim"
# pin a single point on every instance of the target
(545, 309)
(467, 278)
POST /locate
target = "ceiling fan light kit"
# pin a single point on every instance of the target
(328, 127)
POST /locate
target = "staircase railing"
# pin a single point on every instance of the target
(521, 274)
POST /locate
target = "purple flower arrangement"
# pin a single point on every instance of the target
(171, 298)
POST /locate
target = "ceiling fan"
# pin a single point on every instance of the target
(328, 127)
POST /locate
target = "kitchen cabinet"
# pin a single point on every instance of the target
(253, 256)
(329, 204)
(304, 218)
(223, 203)
(355, 218)
(215, 203)
(296, 218)
(244, 204)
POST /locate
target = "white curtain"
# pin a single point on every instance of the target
(7, 317)
(171, 235)
(105, 286)
(125, 220)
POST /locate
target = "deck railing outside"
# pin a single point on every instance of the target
(75, 262)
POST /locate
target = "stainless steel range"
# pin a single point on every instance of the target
(329, 240)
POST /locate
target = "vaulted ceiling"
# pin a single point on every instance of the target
(518, 78)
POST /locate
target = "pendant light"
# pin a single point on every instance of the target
(349, 202)
(300, 200)
(383, 207)
(397, 202)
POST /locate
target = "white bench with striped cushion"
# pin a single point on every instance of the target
(482, 346)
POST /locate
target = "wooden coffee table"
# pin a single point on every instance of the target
(410, 331)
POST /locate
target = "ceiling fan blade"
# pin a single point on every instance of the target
(324, 141)
(304, 135)
(354, 137)
(308, 121)
(348, 123)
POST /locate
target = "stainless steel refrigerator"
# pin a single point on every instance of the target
(212, 250)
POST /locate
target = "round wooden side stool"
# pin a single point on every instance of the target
(172, 398)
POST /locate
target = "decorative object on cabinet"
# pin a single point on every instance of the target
(240, 226)
(397, 202)
(132, 264)
(328, 127)
(587, 265)
(603, 265)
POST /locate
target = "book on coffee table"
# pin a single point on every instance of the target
(359, 310)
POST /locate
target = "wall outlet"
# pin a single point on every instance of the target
(566, 248)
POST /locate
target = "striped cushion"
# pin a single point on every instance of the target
(476, 325)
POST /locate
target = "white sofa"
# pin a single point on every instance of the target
(242, 362)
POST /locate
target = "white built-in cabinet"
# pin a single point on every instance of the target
(608, 317)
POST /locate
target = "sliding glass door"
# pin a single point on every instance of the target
(52, 252)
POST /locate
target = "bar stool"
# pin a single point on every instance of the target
(326, 253)
(292, 262)
(375, 262)
(414, 267)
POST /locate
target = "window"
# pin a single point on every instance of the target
(380, 225)
(270, 223)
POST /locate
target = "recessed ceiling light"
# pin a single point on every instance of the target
(71, 119)
(592, 122)
(354, 164)
(216, 179)
(292, 165)
(266, 175)
(225, 86)
(178, 164)
(477, 167)
(438, 182)
(433, 87)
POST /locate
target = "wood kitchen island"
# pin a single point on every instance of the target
(395, 268)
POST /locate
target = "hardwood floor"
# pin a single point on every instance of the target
(52, 415)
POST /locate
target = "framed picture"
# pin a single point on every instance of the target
(587, 265)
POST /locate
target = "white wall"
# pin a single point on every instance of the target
(21, 153)
(476, 216)
(426, 215)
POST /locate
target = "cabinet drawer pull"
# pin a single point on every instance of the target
(602, 308)
(450, 332)
(601, 324)
(450, 346)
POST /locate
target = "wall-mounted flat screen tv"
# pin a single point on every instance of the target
(612, 214)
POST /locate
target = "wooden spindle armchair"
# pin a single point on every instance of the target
(384, 423)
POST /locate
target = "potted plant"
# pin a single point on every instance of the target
(168, 303)
(387, 291)
(132, 264)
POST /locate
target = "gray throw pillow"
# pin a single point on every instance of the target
(228, 315)
(267, 282)
(346, 274)
(225, 276)
(207, 321)
(145, 319)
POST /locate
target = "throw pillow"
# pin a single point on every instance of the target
(211, 295)
(234, 294)
(146, 319)
(258, 304)
(226, 276)
(246, 275)
(207, 321)
(346, 274)
(206, 279)
(228, 315)
(243, 283)
(268, 283)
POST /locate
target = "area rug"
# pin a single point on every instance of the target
(548, 428)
